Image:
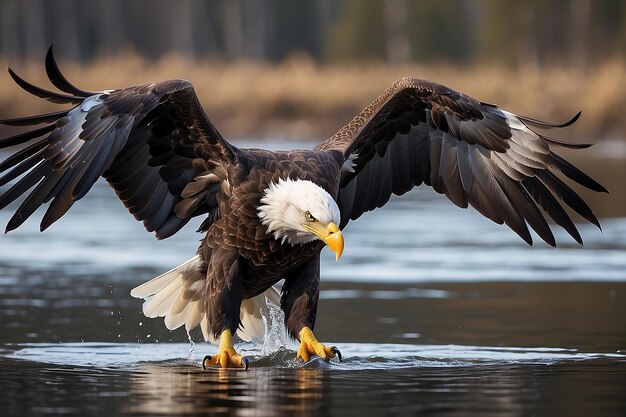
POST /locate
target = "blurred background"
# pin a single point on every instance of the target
(279, 69)
(567, 32)
(301, 69)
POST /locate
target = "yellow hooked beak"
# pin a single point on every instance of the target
(334, 240)
(331, 235)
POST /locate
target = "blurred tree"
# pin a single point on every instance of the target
(398, 44)
(65, 13)
(440, 30)
(358, 33)
(608, 22)
(531, 32)
(9, 19)
(181, 28)
(620, 38)
(297, 26)
(580, 12)
(233, 29)
(31, 12)
(506, 32)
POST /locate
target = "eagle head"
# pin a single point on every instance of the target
(300, 211)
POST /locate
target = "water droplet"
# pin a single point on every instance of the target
(192, 347)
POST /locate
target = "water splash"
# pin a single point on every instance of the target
(357, 356)
(275, 336)
(192, 347)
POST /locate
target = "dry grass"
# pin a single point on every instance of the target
(299, 99)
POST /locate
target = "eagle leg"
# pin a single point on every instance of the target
(301, 293)
(226, 355)
(310, 346)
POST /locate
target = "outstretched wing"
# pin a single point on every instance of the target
(153, 143)
(475, 153)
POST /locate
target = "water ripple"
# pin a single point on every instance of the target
(357, 356)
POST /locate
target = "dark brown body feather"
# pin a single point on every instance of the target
(262, 261)
(168, 163)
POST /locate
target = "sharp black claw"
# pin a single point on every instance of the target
(206, 359)
(336, 352)
(246, 363)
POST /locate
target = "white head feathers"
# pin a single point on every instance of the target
(284, 205)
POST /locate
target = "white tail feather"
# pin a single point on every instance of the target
(166, 296)
(155, 285)
(194, 317)
(161, 303)
(180, 304)
(175, 320)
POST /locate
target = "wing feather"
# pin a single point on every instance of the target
(148, 141)
(540, 193)
(466, 175)
(59, 80)
(569, 197)
(25, 183)
(400, 165)
(449, 171)
(35, 120)
(485, 191)
(27, 163)
(436, 141)
(34, 200)
(575, 174)
(50, 96)
(474, 153)
(24, 137)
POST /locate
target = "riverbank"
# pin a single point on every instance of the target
(302, 100)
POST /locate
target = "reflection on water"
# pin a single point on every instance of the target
(492, 348)
(321, 392)
(178, 388)
(436, 311)
(505, 391)
(260, 392)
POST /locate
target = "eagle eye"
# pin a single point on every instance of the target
(309, 216)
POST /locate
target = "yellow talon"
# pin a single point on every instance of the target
(309, 346)
(226, 355)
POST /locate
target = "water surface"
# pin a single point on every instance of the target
(436, 311)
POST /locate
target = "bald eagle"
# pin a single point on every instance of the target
(267, 215)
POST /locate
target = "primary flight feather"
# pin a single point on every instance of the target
(267, 215)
